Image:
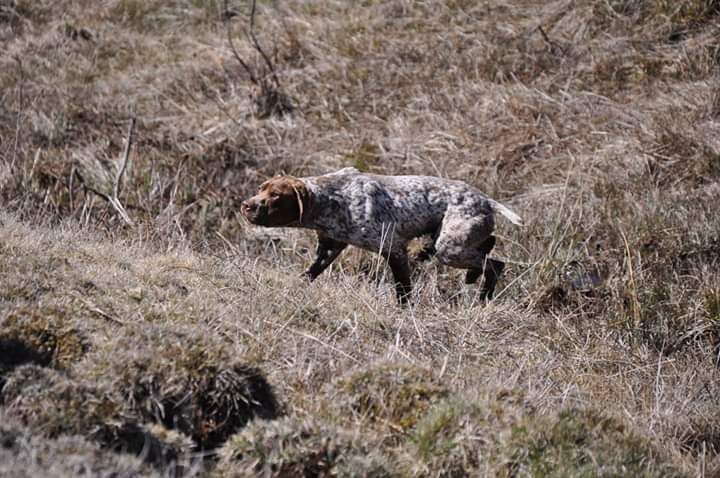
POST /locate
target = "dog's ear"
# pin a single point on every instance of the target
(299, 198)
(302, 196)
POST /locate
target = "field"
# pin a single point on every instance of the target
(146, 329)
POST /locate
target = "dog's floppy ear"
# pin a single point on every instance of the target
(302, 196)
(299, 198)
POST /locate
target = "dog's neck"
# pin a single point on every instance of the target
(309, 203)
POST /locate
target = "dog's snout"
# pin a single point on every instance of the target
(248, 205)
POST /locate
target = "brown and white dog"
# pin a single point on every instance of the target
(383, 214)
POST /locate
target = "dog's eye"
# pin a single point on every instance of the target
(274, 195)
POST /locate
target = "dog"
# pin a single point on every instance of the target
(383, 214)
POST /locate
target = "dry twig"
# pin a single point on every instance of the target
(555, 48)
(270, 100)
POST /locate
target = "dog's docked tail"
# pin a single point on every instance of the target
(505, 211)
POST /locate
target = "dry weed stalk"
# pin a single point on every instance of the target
(106, 187)
(271, 100)
(18, 118)
(122, 166)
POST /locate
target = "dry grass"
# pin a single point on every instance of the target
(191, 333)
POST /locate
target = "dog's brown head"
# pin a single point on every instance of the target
(280, 201)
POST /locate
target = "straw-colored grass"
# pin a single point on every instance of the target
(189, 338)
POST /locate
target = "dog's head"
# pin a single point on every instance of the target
(280, 201)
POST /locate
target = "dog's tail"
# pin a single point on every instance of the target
(505, 211)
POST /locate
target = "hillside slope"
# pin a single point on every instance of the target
(172, 352)
(187, 343)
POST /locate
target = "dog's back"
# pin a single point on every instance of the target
(416, 205)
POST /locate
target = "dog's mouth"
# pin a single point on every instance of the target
(256, 216)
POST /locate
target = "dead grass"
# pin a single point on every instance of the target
(596, 121)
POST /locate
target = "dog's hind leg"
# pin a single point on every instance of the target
(465, 242)
(474, 273)
(493, 269)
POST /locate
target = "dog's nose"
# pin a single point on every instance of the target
(248, 206)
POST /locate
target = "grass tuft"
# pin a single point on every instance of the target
(391, 396)
(296, 447)
(44, 336)
(24, 454)
(580, 443)
(52, 405)
(183, 381)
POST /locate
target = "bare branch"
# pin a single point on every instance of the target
(237, 55)
(270, 99)
(271, 67)
(114, 200)
(117, 205)
(28, 176)
(98, 173)
(71, 188)
(93, 308)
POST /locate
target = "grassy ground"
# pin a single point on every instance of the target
(187, 344)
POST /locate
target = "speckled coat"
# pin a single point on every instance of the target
(384, 213)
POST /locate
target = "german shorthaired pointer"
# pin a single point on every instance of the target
(382, 214)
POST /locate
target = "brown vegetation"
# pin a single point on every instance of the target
(186, 337)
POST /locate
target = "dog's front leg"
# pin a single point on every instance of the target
(401, 273)
(327, 251)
